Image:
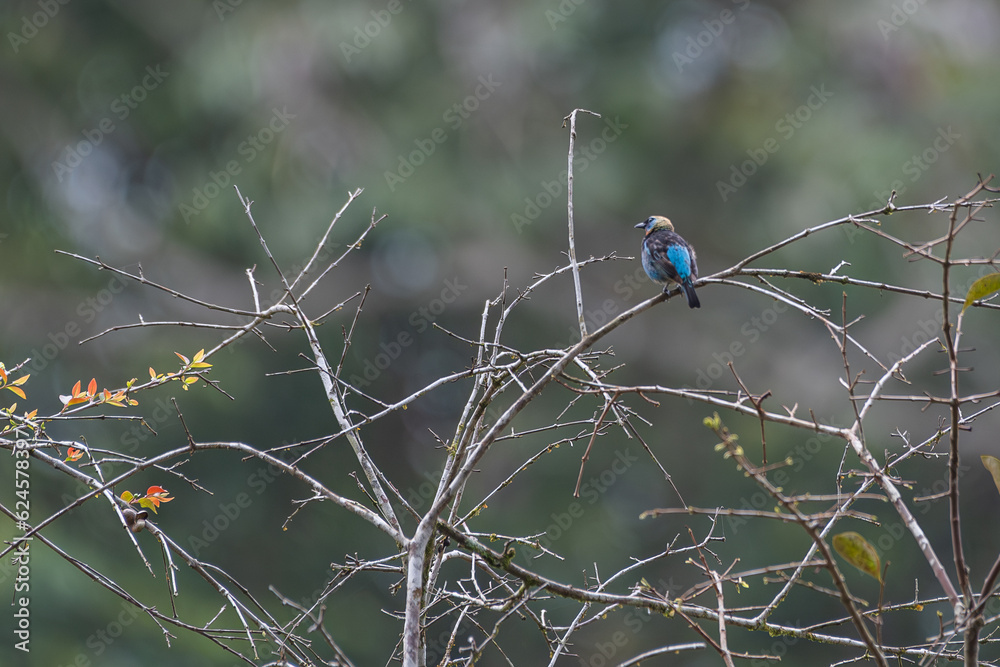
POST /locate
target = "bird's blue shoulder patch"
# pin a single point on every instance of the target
(678, 256)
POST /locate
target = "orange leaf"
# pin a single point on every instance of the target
(21, 380)
(18, 391)
(73, 454)
(183, 358)
(115, 400)
(152, 373)
(3, 374)
(76, 388)
(92, 387)
(157, 497)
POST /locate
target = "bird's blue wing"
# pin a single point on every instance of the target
(680, 258)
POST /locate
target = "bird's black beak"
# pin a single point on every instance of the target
(641, 225)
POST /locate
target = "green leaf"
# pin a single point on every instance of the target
(992, 464)
(858, 552)
(982, 288)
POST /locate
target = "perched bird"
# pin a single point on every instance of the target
(668, 258)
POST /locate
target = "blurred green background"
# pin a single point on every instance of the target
(126, 124)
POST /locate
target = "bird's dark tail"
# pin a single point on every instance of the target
(689, 292)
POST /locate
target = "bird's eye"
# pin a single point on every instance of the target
(650, 221)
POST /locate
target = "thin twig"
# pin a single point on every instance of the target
(571, 118)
